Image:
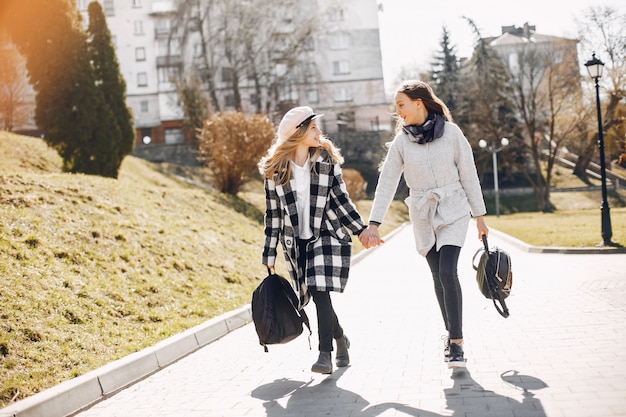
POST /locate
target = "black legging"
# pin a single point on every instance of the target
(328, 327)
(443, 265)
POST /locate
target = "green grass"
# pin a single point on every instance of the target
(94, 269)
(571, 228)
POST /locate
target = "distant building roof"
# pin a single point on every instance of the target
(512, 35)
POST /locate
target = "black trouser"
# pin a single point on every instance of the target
(443, 265)
(328, 327)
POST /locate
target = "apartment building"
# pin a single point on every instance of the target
(348, 85)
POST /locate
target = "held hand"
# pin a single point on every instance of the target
(370, 237)
(482, 227)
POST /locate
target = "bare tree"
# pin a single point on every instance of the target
(13, 89)
(234, 47)
(546, 88)
(603, 31)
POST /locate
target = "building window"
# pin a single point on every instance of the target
(144, 106)
(140, 54)
(229, 100)
(341, 67)
(168, 47)
(339, 40)
(308, 44)
(228, 75)
(138, 27)
(162, 26)
(343, 94)
(142, 79)
(136, 3)
(167, 74)
(288, 93)
(514, 63)
(174, 135)
(109, 9)
(313, 96)
(336, 15)
(280, 70)
(81, 4)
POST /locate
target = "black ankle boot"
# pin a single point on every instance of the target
(323, 364)
(343, 358)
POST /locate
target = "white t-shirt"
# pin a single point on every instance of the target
(301, 184)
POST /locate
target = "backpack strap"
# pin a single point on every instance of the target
(305, 320)
(504, 311)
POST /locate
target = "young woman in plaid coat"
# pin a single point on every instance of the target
(309, 212)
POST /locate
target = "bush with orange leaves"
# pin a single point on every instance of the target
(354, 183)
(231, 144)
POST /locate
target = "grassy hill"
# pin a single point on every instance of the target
(93, 269)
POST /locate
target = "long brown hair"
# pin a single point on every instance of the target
(419, 89)
(283, 150)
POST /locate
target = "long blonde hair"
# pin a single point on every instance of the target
(283, 150)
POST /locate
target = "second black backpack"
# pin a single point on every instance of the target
(275, 311)
(494, 275)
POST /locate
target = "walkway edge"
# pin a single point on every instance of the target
(75, 395)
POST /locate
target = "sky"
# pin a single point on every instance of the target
(410, 30)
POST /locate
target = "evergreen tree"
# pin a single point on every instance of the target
(445, 72)
(70, 108)
(110, 81)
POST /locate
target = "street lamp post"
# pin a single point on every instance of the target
(595, 67)
(494, 150)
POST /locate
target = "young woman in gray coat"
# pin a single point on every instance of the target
(438, 166)
(309, 212)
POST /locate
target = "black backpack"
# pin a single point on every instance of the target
(275, 311)
(494, 275)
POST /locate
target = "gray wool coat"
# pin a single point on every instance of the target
(444, 187)
(333, 217)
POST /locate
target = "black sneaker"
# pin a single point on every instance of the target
(456, 359)
(446, 348)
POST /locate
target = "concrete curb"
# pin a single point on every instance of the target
(596, 250)
(79, 393)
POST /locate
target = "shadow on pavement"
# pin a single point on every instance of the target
(286, 397)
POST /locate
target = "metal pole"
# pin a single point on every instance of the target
(607, 232)
(495, 179)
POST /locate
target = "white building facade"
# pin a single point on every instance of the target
(348, 88)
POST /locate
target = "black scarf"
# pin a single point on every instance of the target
(430, 130)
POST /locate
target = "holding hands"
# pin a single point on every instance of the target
(370, 237)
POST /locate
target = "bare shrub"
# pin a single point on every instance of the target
(231, 144)
(354, 183)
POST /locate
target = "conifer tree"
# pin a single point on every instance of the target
(445, 72)
(110, 81)
(70, 108)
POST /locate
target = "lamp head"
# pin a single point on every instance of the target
(594, 67)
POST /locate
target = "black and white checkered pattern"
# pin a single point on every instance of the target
(333, 218)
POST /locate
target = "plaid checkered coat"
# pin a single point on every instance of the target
(333, 217)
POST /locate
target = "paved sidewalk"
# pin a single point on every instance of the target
(560, 353)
